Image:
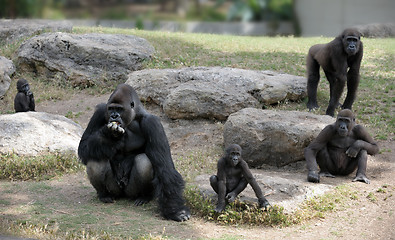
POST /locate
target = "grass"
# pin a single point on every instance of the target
(58, 217)
(14, 167)
(374, 105)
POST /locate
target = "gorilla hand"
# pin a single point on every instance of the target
(263, 203)
(115, 127)
(231, 197)
(361, 178)
(313, 176)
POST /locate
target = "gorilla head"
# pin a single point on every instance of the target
(351, 41)
(233, 154)
(122, 107)
(345, 122)
(23, 86)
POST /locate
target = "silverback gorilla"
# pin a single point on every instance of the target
(344, 52)
(232, 178)
(127, 154)
(340, 148)
(24, 99)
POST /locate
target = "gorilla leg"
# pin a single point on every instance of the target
(214, 183)
(140, 185)
(313, 70)
(327, 166)
(362, 160)
(103, 180)
(336, 86)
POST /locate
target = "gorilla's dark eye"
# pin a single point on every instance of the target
(132, 104)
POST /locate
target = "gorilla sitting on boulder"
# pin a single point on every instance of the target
(127, 154)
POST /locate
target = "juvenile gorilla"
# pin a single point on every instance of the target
(127, 154)
(232, 178)
(340, 148)
(24, 99)
(344, 52)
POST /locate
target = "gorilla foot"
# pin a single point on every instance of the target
(361, 178)
(142, 200)
(106, 199)
(326, 174)
(312, 106)
(180, 216)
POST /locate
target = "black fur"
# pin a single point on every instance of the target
(143, 135)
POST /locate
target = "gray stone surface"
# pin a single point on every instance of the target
(274, 138)
(214, 92)
(12, 30)
(84, 59)
(31, 133)
(7, 69)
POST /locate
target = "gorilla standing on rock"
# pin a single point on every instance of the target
(340, 148)
(127, 154)
(344, 52)
(233, 176)
(24, 99)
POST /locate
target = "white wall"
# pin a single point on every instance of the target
(330, 17)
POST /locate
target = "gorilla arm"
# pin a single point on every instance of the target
(97, 141)
(262, 202)
(221, 175)
(169, 183)
(314, 147)
(363, 142)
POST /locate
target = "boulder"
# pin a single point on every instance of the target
(84, 59)
(214, 92)
(270, 137)
(7, 69)
(32, 133)
(17, 29)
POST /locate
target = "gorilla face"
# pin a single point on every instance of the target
(351, 42)
(120, 109)
(234, 154)
(345, 122)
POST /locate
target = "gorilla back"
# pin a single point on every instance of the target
(127, 153)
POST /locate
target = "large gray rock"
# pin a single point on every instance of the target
(17, 29)
(275, 138)
(84, 59)
(7, 69)
(31, 133)
(214, 92)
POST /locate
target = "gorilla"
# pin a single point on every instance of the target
(344, 52)
(24, 99)
(127, 154)
(340, 148)
(232, 178)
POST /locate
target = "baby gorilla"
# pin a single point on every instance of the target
(24, 99)
(232, 178)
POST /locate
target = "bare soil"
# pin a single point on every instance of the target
(370, 216)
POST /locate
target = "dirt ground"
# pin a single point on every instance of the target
(370, 216)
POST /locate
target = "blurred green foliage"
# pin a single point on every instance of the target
(31, 9)
(258, 10)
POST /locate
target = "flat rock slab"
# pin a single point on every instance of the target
(84, 59)
(282, 188)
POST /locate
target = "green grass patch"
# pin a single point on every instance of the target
(15, 167)
(239, 213)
